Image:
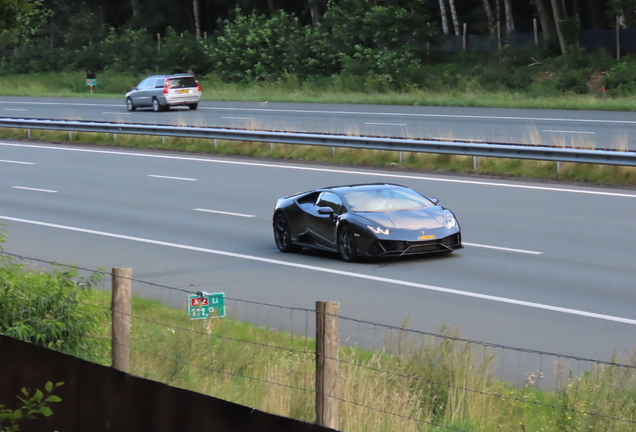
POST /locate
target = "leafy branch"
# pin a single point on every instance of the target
(32, 405)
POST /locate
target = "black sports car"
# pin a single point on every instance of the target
(366, 220)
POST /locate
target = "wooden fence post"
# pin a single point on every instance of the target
(327, 336)
(121, 310)
(536, 31)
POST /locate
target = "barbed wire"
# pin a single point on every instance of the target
(485, 344)
(167, 287)
(385, 326)
(294, 388)
(484, 393)
(199, 332)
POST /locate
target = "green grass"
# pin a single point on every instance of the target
(114, 85)
(409, 385)
(412, 162)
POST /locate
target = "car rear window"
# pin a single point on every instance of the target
(182, 82)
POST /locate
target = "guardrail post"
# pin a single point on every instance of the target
(121, 310)
(216, 143)
(333, 151)
(327, 359)
(29, 133)
(401, 157)
(70, 135)
(475, 162)
(114, 137)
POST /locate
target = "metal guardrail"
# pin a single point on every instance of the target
(513, 151)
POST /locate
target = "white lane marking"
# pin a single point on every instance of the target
(34, 189)
(502, 248)
(334, 271)
(59, 103)
(224, 213)
(117, 113)
(398, 114)
(14, 109)
(328, 170)
(458, 139)
(172, 178)
(567, 132)
(239, 118)
(393, 114)
(18, 162)
(385, 124)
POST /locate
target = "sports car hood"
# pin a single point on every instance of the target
(428, 218)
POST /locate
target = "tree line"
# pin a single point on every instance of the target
(367, 44)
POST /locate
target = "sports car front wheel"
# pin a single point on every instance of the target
(282, 234)
(347, 244)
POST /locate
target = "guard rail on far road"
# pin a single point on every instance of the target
(465, 148)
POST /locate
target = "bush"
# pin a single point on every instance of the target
(258, 48)
(48, 309)
(574, 81)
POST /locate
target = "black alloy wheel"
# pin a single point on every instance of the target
(282, 234)
(129, 104)
(347, 244)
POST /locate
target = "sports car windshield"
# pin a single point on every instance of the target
(382, 200)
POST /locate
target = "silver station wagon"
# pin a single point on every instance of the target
(160, 92)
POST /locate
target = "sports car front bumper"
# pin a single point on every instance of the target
(398, 248)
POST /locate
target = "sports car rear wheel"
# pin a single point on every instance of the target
(282, 234)
(347, 244)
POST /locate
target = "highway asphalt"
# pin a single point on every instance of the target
(582, 129)
(546, 266)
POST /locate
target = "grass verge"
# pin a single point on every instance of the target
(411, 384)
(574, 172)
(115, 85)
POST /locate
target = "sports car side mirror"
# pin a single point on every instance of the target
(434, 200)
(325, 210)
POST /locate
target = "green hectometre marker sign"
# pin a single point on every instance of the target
(204, 305)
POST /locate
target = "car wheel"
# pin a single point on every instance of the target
(129, 104)
(193, 106)
(347, 244)
(156, 106)
(282, 234)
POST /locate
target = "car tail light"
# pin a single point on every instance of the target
(166, 86)
(198, 85)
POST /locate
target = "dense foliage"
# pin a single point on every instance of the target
(49, 309)
(349, 45)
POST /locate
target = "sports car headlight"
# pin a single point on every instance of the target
(449, 219)
(379, 230)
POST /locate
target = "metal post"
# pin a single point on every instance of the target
(536, 31)
(327, 335)
(475, 161)
(271, 146)
(333, 151)
(29, 133)
(121, 310)
(618, 38)
(558, 167)
(114, 137)
(464, 38)
(216, 143)
(163, 140)
(401, 157)
(70, 135)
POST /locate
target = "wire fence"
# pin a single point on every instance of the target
(390, 377)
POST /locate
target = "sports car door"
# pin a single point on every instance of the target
(323, 226)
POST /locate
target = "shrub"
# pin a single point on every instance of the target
(48, 309)
(569, 80)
